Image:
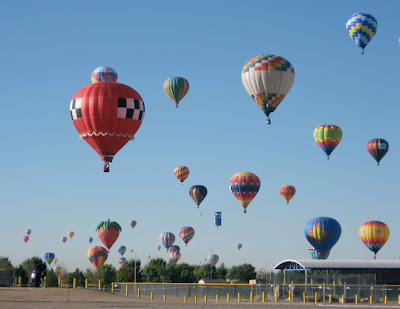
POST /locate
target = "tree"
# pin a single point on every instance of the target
(34, 263)
(246, 272)
(232, 273)
(203, 272)
(78, 275)
(93, 277)
(51, 278)
(155, 271)
(221, 272)
(108, 274)
(5, 263)
(127, 272)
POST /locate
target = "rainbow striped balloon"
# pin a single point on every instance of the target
(244, 186)
(374, 235)
(328, 136)
(181, 172)
(186, 233)
(213, 259)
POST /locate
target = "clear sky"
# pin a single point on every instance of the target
(52, 182)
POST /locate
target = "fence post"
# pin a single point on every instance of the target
(59, 282)
(112, 287)
(205, 298)
(356, 299)
(263, 296)
(152, 295)
(86, 283)
(251, 297)
(195, 298)
(342, 298)
(217, 298)
(239, 297)
(164, 297)
(330, 298)
(184, 298)
(228, 298)
(316, 297)
(99, 284)
(290, 296)
(126, 290)
(276, 296)
(74, 283)
(385, 299)
(304, 297)
(138, 293)
(371, 299)
(45, 282)
(398, 300)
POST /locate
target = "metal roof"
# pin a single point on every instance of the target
(337, 264)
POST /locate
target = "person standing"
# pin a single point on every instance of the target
(33, 279)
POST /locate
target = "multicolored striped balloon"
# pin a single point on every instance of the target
(198, 193)
(186, 233)
(176, 88)
(104, 74)
(362, 28)
(377, 148)
(213, 259)
(174, 248)
(374, 235)
(268, 79)
(287, 192)
(167, 239)
(97, 256)
(244, 186)
(181, 172)
(175, 256)
(328, 136)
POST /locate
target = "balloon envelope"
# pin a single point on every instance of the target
(362, 28)
(377, 148)
(316, 255)
(121, 261)
(174, 248)
(55, 261)
(97, 256)
(268, 79)
(322, 233)
(49, 257)
(287, 192)
(176, 88)
(158, 247)
(28, 231)
(175, 256)
(186, 233)
(90, 239)
(328, 136)
(213, 259)
(374, 235)
(25, 238)
(181, 172)
(121, 250)
(217, 218)
(239, 246)
(70, 234)
(167, 239)
(244, 186)
(198, 193)
(132, 223)
(64, 239)
(104, 74)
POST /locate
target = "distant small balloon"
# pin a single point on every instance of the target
(70, 234)
(239, 246)
(158, 247)
(55, 261)
(64, 239)
(25, 238)
(28, 231)
(104, 74)
(148, 256)
(132, 223)
(121, 250)
(90, 239)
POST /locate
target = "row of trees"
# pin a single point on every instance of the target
(157, 270)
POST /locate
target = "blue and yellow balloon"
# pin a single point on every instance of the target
(362, 28)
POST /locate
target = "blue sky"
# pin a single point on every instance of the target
(52, 182)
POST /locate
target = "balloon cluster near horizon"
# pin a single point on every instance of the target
(362, 28)
(107, 115)
(328, 136)
(244, 186)
(176, 88)
(374, 235)
(268, 79)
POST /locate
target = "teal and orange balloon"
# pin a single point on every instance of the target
(244, 186)
(213, 259)
(287, 192)
(374, 235)
(268, 79)
(176, 88)
(378, 148)
(97, 256)
(322, 233)
(198, 193)
(328, 136)
(362, 28)
(181, 172)
(186, 233)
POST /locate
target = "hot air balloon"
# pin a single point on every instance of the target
(49, 257)
(25, 238)
(198, 193)
(362, 28)
(328, 136)
(244, 186)
(322, 233)
(158, 248)
(108, 232)
(217, 218)
(213, 259)
(374, 235)
(121, 262)
(316, 255)
(104, 74)
(55, 261)
(167, 239)
(97, 256)
(378, 147)
(107, 115)
(70, 234)
(287, 192)
(132, 223)
(28, 231)
(268, 79)
(90, 239)
(148, 256)
(174, 248)
(57, 271)
(181, 172)
(239, 246)
(176, 88)
(64, 239)
(186, 233)
(175, 256)
(121, 250)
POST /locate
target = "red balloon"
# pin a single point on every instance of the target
(25, 238)
(107, 116)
